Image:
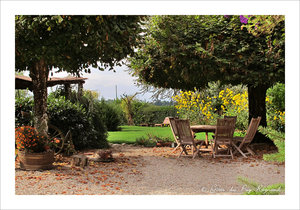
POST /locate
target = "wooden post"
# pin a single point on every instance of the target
(68, 90)
(80, 88)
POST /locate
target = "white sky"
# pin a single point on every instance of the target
(104, 82)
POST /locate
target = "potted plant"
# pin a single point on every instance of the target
(33, 149)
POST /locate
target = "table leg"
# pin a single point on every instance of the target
(206, 139)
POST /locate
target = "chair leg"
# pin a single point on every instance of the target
(214, 149)
(181, 153)
(178, 145)
(250, 150)
(230, 150)
(238, 149)
(194, 153)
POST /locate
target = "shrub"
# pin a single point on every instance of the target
(110, 115)
(152, 140)
(88, 130)
(149, 113)
(207, 105)
(146, 142)
(276, 107)
(276, 95)
(116, 105)
(159, 139)
(24, 104)
(278, 139)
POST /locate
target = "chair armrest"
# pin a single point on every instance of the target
(237, 138)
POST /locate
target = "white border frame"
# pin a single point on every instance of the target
(11, 8)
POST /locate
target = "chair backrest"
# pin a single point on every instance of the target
(252, 129)
(225, 129)
(173, 127)
(230, 117)
(182, 131)
(231, 123)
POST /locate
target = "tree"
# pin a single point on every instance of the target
(127, 106)
(188, 52)
(72, 44)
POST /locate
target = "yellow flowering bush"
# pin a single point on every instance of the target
(201, 108)
(194, 105)
(275, 118)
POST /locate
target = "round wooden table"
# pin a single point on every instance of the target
(204, 128)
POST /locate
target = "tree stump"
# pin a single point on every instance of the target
(79, 160)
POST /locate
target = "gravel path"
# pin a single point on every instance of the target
(149, 171)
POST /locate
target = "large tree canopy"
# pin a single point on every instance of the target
(72, 44)
(187, 52)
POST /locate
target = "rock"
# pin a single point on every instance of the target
(79, 160)
(102, 156)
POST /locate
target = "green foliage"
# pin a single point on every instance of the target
(185, 52)
(111, 117)
(152, 140)
(279, 140)
(276, 95)
(74, 43)
(257, 189)
(116, 105)
(263, 24)
(146, 142)
(276, 107)
(87, 131)
(71, 43)
(94, 113)
(148, 113)
(24, 104)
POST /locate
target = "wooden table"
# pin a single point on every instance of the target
(204, 128)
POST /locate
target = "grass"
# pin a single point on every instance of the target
(129, 134)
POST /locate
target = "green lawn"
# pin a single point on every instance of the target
(129, 134)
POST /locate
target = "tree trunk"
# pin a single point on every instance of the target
(67, 91)
(80, 90)
(257, 107)
(39, 76)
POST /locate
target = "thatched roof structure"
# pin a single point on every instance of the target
(24, 82)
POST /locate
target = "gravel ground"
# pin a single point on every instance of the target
(149, 171)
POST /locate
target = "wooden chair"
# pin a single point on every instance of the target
(231, 123)
(223, 137)
(183, 135)
(242, 143)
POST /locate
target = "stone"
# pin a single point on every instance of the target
(79, 160)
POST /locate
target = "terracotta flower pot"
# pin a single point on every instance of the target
(36, 161)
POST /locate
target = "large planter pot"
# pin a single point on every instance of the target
(36, 161)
